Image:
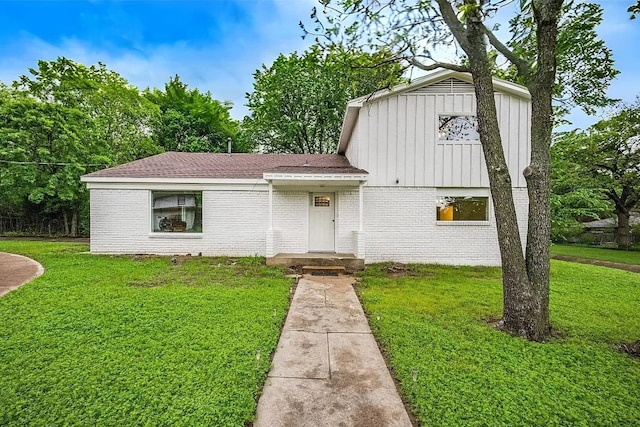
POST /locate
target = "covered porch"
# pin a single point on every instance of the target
(315, 217)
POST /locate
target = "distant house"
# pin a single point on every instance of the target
(408, 184)
(603, 231)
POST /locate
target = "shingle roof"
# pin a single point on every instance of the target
(236, 165)
(611, 222)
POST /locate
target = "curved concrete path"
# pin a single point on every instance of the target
(16, 270)
(617, 265)
(327, 369)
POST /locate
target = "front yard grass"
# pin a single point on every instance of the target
(126, 340)
(601, 254)
(433, 319)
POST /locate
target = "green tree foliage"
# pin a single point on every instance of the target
(585, 66)
(297, 103)
(634, 9)
(192, 121)
(606, 157)
(59, 122)
(573, 196)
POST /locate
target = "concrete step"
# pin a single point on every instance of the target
(348, 261)
(320, 270)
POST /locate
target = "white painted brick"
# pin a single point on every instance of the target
(234, 223)
(399, 223)
(401, 226)
(290, 218)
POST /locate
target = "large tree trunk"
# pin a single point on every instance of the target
(538, 172)
(517, 295)
(65, 218)
(74, 223)
(525, 278)
(623, 231)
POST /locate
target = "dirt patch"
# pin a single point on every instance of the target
(618, 265)
(632, 349)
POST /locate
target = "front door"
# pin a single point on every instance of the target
(322, 222)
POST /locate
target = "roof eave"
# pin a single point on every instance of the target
(348, 124)
(167, 180)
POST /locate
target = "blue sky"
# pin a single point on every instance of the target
(212, 45)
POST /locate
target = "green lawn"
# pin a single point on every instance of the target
(106, 340)
(602, 254)
(468, 374)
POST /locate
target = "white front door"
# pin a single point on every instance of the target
(322, 222)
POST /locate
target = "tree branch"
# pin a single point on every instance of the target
(450, 18)
(523, 67)
(436, 65)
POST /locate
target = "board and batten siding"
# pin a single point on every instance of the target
(396, 140)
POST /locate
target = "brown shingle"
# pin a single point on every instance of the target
(236, 165)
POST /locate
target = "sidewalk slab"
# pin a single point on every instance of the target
(327, 369)
(304, 355)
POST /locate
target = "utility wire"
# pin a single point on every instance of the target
(50, 163)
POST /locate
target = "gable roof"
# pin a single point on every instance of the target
(225, 166)
(353, 106)
(634, 219)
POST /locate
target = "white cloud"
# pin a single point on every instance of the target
(224, 67)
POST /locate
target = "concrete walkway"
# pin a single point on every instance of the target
(327, 369)
(16, 270)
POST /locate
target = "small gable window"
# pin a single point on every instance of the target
(176, 211)
(458, 128)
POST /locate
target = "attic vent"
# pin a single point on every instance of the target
(447, 86)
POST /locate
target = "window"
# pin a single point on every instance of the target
(322, 201)
(176, 211)
(459, 208)
(458, 128)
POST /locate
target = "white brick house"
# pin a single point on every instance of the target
(408, 184)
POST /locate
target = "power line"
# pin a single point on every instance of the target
(51, 163)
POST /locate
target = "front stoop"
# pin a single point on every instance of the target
(348, 261)
(324, 270)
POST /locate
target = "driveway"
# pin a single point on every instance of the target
(16, 270)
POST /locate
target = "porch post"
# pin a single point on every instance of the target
(270, 250)
(360, 208)
(270, 205)
(360, 247)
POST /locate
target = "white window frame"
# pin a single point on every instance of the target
(463, 192)
(455, 141)
(174, 234)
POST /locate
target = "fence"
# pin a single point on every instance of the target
(36, 225)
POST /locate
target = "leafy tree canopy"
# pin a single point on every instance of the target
(574, 198)
(192, 121)
(634, 9)
(414, 34)
(63, 120)
(606, 158)
(298, 102)
(585, 66)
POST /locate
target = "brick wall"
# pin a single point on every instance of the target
(290, 217)
(346, 221)
(399, 222)
(400, 225)
(234, 223)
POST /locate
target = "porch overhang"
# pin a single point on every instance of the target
(315, 179)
